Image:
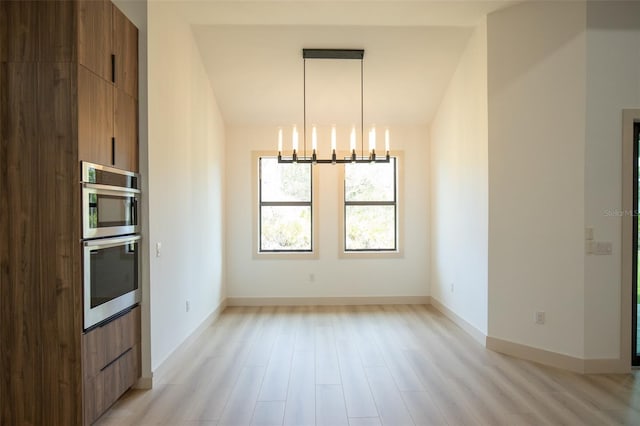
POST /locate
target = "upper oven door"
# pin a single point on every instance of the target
(108, 212)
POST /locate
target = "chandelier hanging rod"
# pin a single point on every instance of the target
(357, 54)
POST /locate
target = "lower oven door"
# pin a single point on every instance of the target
(111, 277)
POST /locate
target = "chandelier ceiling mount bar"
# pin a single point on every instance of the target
(357, 54)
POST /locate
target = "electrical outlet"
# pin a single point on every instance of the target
(451, 288)
(540, 317)
(187, 306)
(312, 277)
(158, 249)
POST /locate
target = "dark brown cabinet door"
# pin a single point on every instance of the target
(94, 36)
(125, 49)
(95, 118)
(126, 131)
(110, 362)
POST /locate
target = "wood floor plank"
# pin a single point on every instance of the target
(357, 393)
(330, 408)
(268, 413)
(327, 368)
(387, 397)
(393, 338)
(239, 408)
(364, 365)
(300, 408)
(276, 379)
(423, 410)
(364, 421)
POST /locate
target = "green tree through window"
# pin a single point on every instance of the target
(285, 206)
(370, 207)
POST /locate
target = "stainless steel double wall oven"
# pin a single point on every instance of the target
(111, 241)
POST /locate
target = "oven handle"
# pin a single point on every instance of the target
(101, 187)
(112, 242)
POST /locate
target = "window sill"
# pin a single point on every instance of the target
(370, 254)
(285, 255)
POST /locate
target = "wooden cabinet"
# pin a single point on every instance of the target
(108, 44)
(59, 105)
(107, 86)
(95, 118)
(111, 361)
(125, 131)
(125, 50)
(95, 35)
(107, 123)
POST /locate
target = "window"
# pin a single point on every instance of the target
(285, 208)
(370, 207)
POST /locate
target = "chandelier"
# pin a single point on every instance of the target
(369, 157)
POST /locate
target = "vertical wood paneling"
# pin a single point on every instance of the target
(60, 287)
(4, 229)
(21, 304)
(38, 31)
(22, 31)
(4, 32)
(56, 31)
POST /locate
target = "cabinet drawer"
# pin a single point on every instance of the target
(102, 345)
(119, 376)
(101, 391)
(120, 334)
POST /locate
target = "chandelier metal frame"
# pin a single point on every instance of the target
(348, 54)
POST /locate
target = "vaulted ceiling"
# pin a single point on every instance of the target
(252, 52)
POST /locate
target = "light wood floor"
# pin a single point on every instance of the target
(365, 365)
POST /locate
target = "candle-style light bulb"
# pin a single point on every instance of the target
(352, 139)
(314, 138)
(386, 140)
(295, 138)
(279, 141)
(333, 138)
(372, 139)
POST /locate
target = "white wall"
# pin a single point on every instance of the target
(334, 277)
(459, 188)
(613, 83)
(186, 184)
(536, 92)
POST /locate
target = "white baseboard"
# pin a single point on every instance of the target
(558, 360)
(606, 366)
(144, 383)
(471, 330)
(175, 357)
(541, 356)
(529, 353)
(327, 301)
